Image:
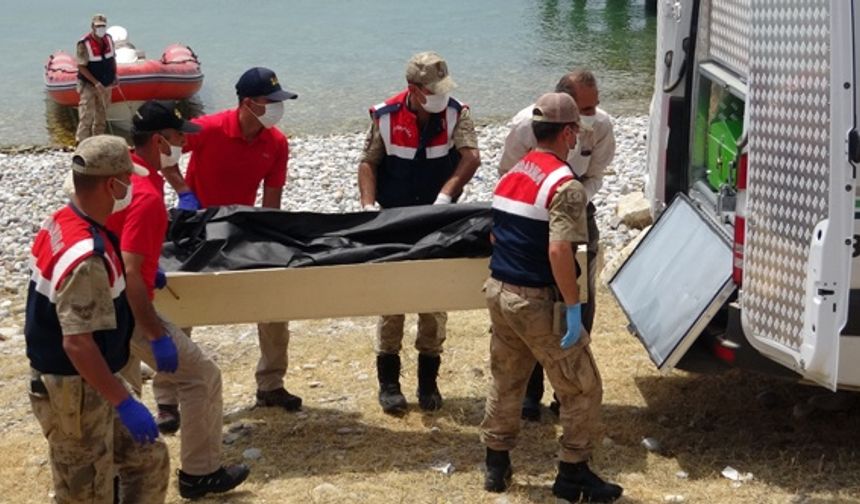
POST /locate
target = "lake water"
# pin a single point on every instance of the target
(341, 56)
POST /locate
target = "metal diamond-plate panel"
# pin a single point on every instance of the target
(789, 159)
(703, 35)
(728, 34)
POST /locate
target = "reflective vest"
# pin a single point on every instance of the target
(417, 164)
(101, 56)
(65, 240)
(521, 204)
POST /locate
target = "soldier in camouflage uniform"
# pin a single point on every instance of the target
(421, 149)
(96, 57)
(77, 330)
(539, 219)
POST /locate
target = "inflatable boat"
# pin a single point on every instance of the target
(174, 76)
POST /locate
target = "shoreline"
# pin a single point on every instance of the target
(480, 123)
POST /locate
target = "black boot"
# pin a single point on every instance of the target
(576, 482)
(555, 405)
(388, 371)
(429, 397)
(498, 476)
(534, 394)
(167, 418)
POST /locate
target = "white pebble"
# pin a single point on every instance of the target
(252, 454)
(651, 444)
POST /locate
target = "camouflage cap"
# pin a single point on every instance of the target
(555, 108)
(99, 20)
(430, 70)
(104, 155)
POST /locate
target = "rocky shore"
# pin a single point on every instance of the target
(322, 178)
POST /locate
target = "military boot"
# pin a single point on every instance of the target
(576, 483)
(498, 476)
(429, 397)
(388, 371)
(167, 418)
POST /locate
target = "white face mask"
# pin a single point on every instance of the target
(273, 114)
(435, 103)
(172, 158)
(587, 122)
(101, 31)
(121, 204)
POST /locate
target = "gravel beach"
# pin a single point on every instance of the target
(321, 178)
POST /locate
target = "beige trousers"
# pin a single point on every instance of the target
(431, 333)
(92, 110)
(274, 340)
(197, 383)
(522, 319)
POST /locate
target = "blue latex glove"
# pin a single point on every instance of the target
(160, 279)
(574, 326)
(138, 420)
(164, 351)
(188, 201)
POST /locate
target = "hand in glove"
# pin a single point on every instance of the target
(574, 326)
(160, 279)
(166, 356)
(138, 420)
(442, 199)
(188, 201)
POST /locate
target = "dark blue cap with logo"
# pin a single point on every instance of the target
(260, 81)
(155, 115)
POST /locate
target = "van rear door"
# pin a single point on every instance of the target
(675, 281)
(675, 57)
(800, 187)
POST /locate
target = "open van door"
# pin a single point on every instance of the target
(675, 281)
(675, 58)
(800, 188)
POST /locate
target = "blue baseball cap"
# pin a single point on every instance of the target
(155, 115)
(260, 81)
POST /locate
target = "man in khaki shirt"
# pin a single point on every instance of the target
(594, 151)
(539, 219)
(96, 58)
(421, 149)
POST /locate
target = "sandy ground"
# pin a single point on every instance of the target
(341, 448)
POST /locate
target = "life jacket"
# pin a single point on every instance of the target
(102, 58)
(65, 240)
(417, 163)
(521, 204)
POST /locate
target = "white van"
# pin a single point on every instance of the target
(754, 261)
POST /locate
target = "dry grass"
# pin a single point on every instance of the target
(702, 422)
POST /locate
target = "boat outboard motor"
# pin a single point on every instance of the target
(125, 50)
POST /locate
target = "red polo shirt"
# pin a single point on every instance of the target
(226, 169)
(142, 226)
(154, 178)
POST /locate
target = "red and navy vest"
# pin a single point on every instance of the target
(521, 204)
(65, 240)
(417, 163)
(101, 56)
